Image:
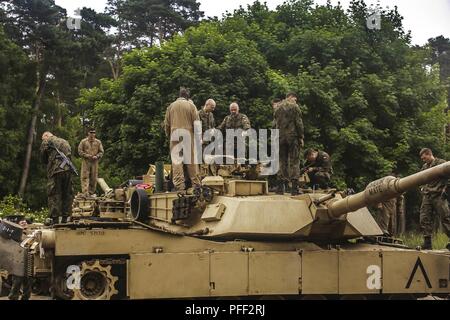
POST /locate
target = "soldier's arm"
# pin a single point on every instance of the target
(245, 123)
(44, 152)
(222, 125)
(299, 122)
(167, 122)
(195, 113)
(69, 151)
(274, 121)
(81, 151)
(100, 150)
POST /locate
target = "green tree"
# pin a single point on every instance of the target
(16, 87)
(128, 112)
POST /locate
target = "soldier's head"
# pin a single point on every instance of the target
(234, 108)
(311, 154)
(275, 103)
(91, 134)
(291, 97)
(23, 223)
(184, 93)
(46, 135)
(426, 155)
(210, 105)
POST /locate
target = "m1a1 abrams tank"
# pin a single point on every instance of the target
(232, 238)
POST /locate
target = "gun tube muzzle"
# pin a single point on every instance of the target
(387, 188)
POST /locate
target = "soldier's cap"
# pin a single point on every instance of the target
(425, 150)
(291, 94)
(310, 151)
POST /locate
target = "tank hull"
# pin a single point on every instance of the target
(160, 265)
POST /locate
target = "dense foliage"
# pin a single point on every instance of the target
(370, 98)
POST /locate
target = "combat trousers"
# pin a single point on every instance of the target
(179, 178)
(17, 284)
(320, 179)
(89, 175)
(192, 170)
(387, 221)
(434, 204)
(289, 160)
(60, 194)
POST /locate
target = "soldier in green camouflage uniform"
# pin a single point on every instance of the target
(234, 121)
(59, 185)
(206, 115)
(288, 120)
(319, 168)
(434, 200)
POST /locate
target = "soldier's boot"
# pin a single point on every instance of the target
(427, 244)
(27, 288)
(55, 220)
(294, 189)
(64, 219)
(448, 246)
(280, 188)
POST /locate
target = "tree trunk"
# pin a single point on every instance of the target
(59, 110)
(31, 131)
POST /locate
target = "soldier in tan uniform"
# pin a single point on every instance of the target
(91, 151)
(181, 114)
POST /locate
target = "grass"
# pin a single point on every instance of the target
(413, 240)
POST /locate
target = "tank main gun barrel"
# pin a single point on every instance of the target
(387, 188)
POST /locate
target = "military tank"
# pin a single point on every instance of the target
(232, 238)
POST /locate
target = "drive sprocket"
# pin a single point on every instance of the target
(96, 282)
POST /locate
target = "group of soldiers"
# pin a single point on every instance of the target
(182, 114)
(287, 118)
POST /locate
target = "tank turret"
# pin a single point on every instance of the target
(239, 209)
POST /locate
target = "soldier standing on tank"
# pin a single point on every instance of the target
(91, 151)
(182, 114)
(206, 115)
(434, 200)
(235, 120)
(288, 120)
(319, 168)
(59, 175)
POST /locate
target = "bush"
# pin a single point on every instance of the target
(14, 205)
